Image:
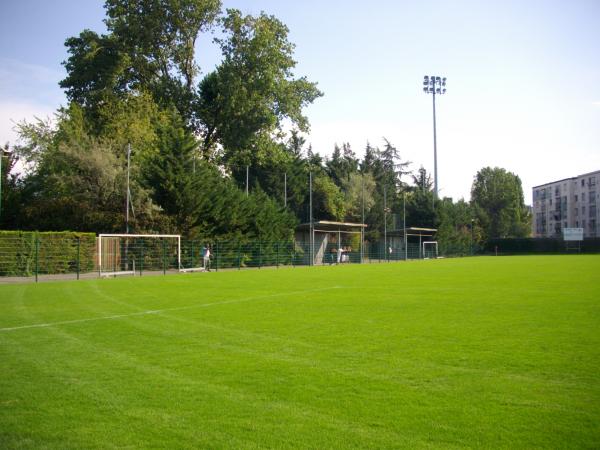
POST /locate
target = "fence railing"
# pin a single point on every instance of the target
(35, 255)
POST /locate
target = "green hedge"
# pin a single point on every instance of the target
(22, 252)
(538, 245)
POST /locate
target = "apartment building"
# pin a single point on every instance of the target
(568, 203)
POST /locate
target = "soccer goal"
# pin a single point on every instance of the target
(430, 249)
(123, 254)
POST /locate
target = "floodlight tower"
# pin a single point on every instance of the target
(434, 85)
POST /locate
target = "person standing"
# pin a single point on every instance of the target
(206, 256)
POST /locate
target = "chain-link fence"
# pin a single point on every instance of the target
(38, 256)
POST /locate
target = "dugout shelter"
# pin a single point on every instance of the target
(328, 242)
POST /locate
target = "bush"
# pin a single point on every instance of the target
(538, 245)
(21, 252)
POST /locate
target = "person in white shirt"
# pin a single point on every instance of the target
(207, 258)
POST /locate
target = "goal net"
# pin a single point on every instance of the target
(124, 254)
(430, 249)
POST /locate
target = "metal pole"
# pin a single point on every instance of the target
(37, 258)
(127, 195)
(78, 255)
(339, 254)
(362, 228)
(164, 246)
(435, 171)
(1, 155)
(404, 226)
(385, 222)
(141, 256)
(217, 256)
(311, 237)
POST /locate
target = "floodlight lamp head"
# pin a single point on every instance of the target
(444, 91)
(425, 90)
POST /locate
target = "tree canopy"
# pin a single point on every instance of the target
(195, 137)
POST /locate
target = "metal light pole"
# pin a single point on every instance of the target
(386, 210)
(434, 85)
(310, 212)
(404, 226)
(362, 222)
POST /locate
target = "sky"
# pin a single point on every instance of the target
(523, 77)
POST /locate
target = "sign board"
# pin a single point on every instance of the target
(573, 234)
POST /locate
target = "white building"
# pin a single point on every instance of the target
(568, 203)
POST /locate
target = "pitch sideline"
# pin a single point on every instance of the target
(159, 311)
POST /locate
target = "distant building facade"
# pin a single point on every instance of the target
(569, 203)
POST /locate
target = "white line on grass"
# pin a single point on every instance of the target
(158, 311)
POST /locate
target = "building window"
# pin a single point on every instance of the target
(592, 196)
(576, 212)
(592, 181)
(593, 212)
(583, 196)
(583, 182)
(583, 210)
(577, 224)
(550, 202)
(575, 197)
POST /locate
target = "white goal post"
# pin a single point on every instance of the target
(110, 251)
(434, 244)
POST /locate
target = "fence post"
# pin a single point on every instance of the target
(239, 256)
(78, 255)
(141, 256)
(192, 254)
(164, 246)
(277, 260)
(216, 256)
(259, 255)
(37, 251)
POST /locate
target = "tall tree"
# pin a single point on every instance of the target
(422, 180)
(172, 176)
(497, 198)
(159, 36)
(149, 47)
(253, 90)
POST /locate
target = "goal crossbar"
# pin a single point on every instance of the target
(133, 236)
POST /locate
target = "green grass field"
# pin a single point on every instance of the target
(475, 352)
